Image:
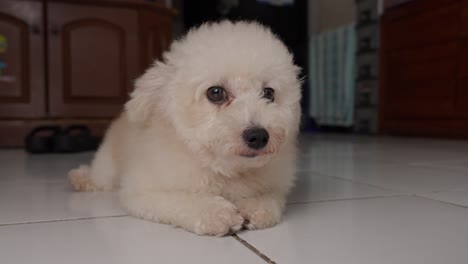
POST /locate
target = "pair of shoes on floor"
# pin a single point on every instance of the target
(54, 139)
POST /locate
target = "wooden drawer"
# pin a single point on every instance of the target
(414, 29)
(427, 127)
(464, 27)
(463, 68)
(421, 82)
(461, 104)
(462, 98)
(423, 63)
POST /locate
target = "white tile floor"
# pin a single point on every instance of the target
(360, 200)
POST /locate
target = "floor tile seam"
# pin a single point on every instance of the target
(438, 168)
(440, 201)
(463, 189)
(369, 185)
(411, 165)
(401, 192)
(371, 159)
(444, 160)
(351, 199)
(398, 191)
(359, 182)
(61, 220)
(252, 248)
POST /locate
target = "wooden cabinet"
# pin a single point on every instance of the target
(462, 93)
(423, 82)
(73, 61)
(93, 59)
(22, 75)
(461, 101)
(424, 62)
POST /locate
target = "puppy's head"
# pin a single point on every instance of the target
(229, 90)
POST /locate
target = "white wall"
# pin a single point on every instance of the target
(329, 14)
(336, 13)
(313, 17)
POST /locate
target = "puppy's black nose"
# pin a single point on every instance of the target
(256, 137)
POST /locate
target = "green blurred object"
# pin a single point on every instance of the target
(3, 43)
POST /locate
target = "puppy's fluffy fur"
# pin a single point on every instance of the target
(178, 158)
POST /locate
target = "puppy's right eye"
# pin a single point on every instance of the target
(216, 94)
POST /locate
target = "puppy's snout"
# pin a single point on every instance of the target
(256, 137)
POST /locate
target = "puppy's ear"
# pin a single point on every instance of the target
(144, 99)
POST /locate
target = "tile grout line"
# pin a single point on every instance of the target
(357, 182)
(61, 220)
(253, 249)
(440, 201)
(398, 193)
(351, 199)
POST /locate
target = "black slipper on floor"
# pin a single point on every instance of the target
(75, 139)
(41, 139)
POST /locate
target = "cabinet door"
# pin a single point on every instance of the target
(22, 93)
(92, 59)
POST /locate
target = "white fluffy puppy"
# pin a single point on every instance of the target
(207, 141)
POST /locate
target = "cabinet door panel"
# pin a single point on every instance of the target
(22, 92)
(93, 59)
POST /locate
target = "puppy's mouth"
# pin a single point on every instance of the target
(249, 155)
(254, 154)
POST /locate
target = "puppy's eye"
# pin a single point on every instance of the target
(269, 94)
(216, 94)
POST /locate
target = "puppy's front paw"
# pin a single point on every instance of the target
(80, 180)
(219, 217)
(260, 213)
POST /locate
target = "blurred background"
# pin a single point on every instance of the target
(378, 67)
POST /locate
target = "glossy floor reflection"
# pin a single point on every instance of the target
(357, 200)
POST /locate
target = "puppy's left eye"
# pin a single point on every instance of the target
(269, 94)
(216, 94)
